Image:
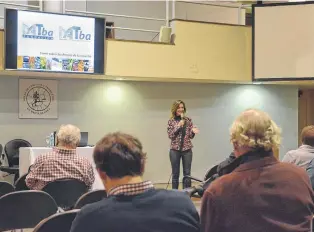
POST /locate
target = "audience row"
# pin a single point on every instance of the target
(258, 193)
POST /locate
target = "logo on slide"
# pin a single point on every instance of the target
(73, 33)
(36, 31)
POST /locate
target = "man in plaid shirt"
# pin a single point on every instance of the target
(62, 162)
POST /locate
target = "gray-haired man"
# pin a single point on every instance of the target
(62, 162)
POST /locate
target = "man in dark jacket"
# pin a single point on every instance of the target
(221, 167)
(261, 194)
(133, 205)
(225, 167)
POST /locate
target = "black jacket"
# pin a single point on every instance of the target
(223, 167)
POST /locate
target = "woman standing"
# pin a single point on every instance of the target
(180, 131)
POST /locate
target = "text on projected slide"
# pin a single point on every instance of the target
(51, 42)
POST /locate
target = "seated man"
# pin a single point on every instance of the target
(223, 168)
(305, 153)
(261, 194)
(225, 163)
(62, 162)
(133, 205)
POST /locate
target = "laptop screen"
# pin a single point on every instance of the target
(83, 142)
(84, 139)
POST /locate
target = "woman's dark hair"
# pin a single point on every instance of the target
(118, 155)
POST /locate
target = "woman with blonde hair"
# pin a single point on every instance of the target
(180, 131)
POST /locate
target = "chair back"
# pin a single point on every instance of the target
(66, 192)
(20, 184)
(5, 188)
(11, 150)
(1, 149)
(61, 222)
(90, 197)
(25, 209)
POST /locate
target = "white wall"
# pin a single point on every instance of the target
(155, 9)
(143, 110)
(210, 13)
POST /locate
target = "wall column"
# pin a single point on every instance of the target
(55, 6)
(58, 6)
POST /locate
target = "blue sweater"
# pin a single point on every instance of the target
(154, 210)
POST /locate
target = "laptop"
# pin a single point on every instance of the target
(83, 142)
(84, 139)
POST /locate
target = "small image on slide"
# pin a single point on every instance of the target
(20, 62)
(25, 59)
(86, 65)
(43, 62)
(37, 62)
(26, 64)
(32, 62)
(81, 66)
(48, 63)
(56, 64)
(90, 66)
(67, 64)
(75, 65)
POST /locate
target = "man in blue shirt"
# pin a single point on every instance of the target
(303, 155)
(310, 172)
(133, 204)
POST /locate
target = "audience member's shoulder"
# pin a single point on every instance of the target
(223, 183)
(44, 157)
(292, 152)
(291, 168)
(94, 208)
(293, 174)
(84, 160)
(173, 195)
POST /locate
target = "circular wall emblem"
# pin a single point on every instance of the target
(38, 98)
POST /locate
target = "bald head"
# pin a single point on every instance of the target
(69, 136)
(255, 129)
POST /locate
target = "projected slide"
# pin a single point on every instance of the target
(283, 41)
(52, 42)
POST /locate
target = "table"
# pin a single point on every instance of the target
(29, 154)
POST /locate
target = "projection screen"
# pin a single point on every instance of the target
(283, 41)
